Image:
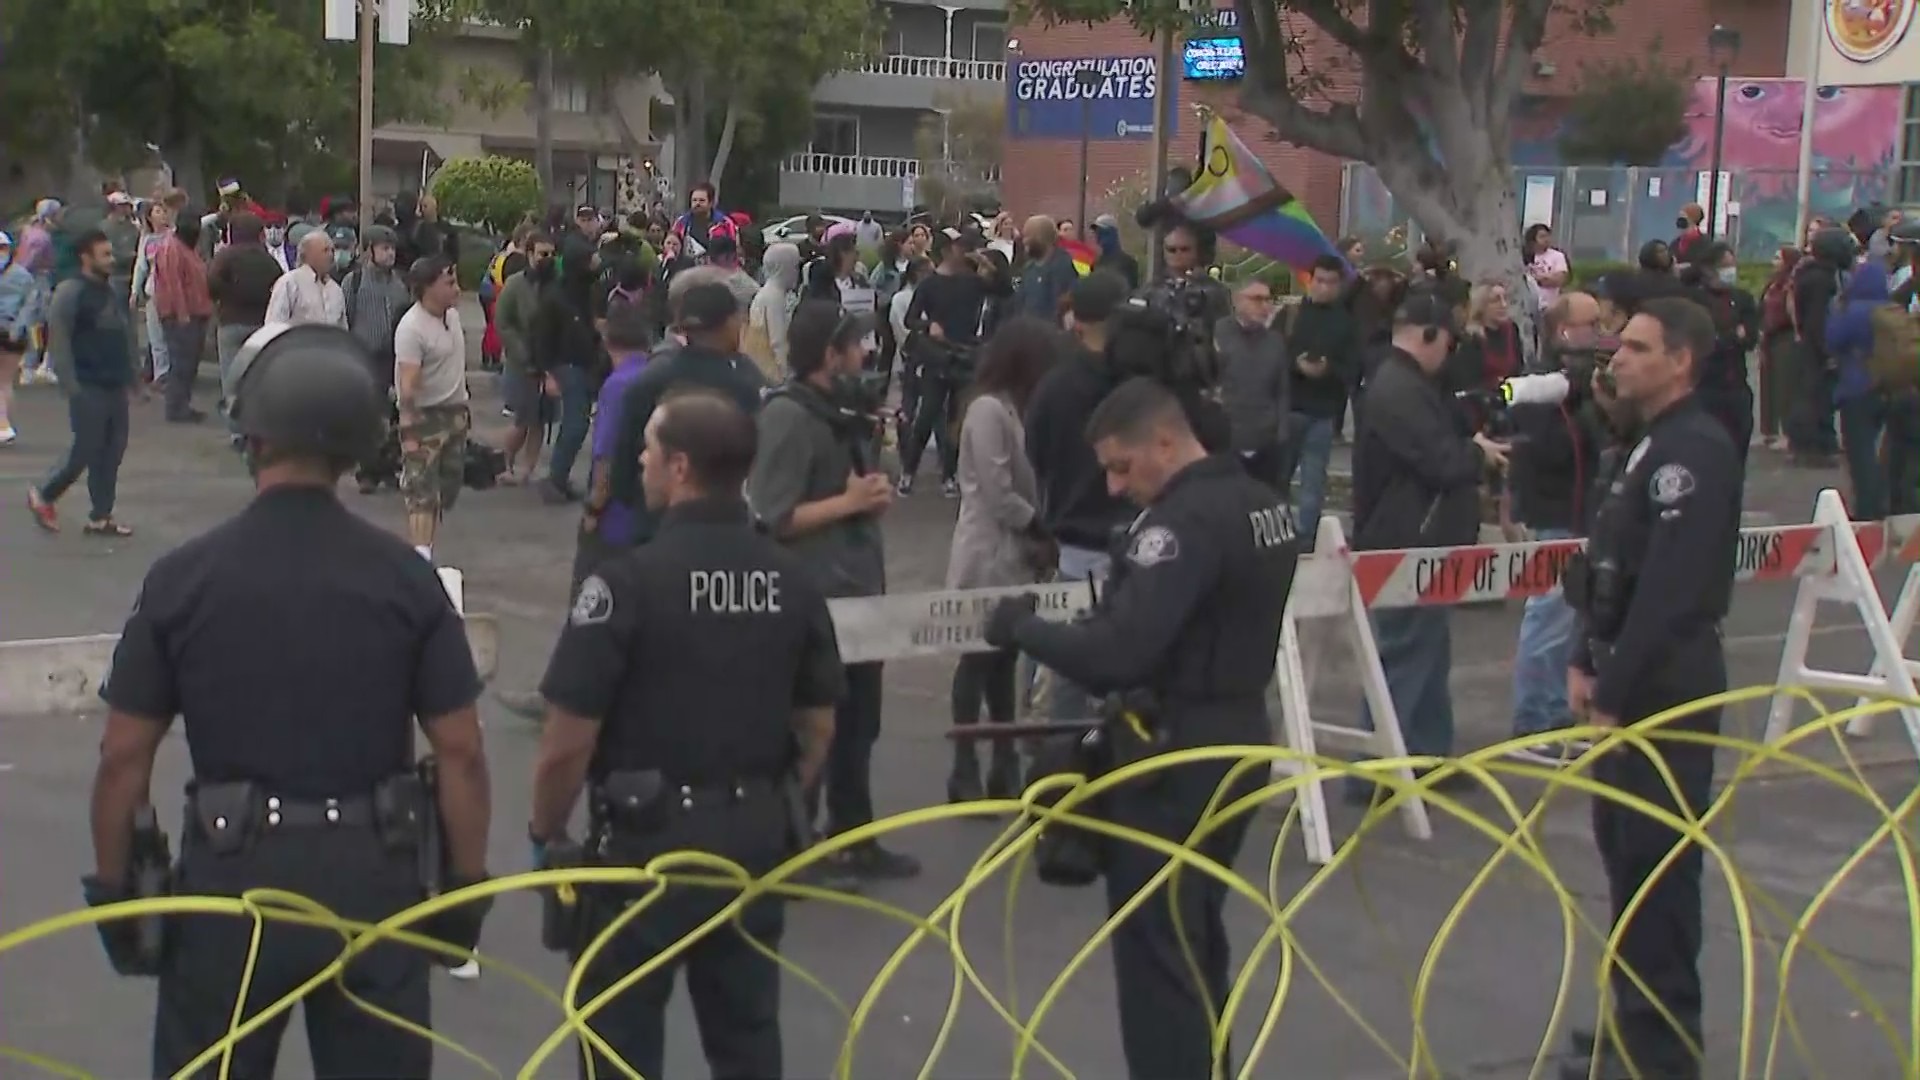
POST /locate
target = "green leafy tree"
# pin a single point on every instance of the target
(240, 87)
(495, 193)
(718, 62)
(959, 151)
(1627, 112)
(1425, 91)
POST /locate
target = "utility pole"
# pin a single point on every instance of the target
(367, 31)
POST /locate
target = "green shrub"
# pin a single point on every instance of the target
(491, 193)
(1752, 276)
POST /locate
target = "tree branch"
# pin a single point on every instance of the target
(1524, 36)
(1271, 95)
(1480, 53)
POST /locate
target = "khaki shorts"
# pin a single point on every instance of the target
(433, 458)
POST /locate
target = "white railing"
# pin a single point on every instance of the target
(938, 67)
(854, 165)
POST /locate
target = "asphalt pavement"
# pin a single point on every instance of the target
(1360, 933)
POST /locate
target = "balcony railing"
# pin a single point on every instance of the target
(853, 165)
(889, 168)
(938, 67)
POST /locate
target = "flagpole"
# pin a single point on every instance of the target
(1809, 107)
(1163, 123)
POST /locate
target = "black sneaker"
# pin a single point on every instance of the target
(871, 862)
(830, 874)
(904, 488)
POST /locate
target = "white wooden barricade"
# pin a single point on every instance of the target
(1849, 581)
(1901, 545)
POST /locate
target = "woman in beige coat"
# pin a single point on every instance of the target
(998, 539)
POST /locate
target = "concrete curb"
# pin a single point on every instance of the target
(61, 676)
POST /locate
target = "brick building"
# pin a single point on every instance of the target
(1041, 170)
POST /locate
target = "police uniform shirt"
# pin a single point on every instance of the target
(695, 651)
(1671, 521)
(1197, 609)
(297, 642)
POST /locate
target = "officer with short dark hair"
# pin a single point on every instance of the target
(1191, 623)
(1656, 581)
(648, 705)
(299, 645)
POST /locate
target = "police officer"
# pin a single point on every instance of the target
(1193, 617)
(299, 644)
(647, 704)
(1656, 581)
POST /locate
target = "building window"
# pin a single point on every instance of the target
(570, 95)
(839, 135)
(1907, 179)
(990, 42)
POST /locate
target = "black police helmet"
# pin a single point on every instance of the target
(308, 390)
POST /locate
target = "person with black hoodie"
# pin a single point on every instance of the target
(1816, 282)
(1323, 345)
(1076, 507)
(565, 352)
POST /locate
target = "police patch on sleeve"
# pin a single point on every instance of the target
(1154, 545)
(1671, 483)
(594, 605)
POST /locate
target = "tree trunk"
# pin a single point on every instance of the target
(690, 154)
(543, 125)
(724, 149)
(183, 156)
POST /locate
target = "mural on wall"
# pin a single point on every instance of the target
(1854, 150)
(1854, 147)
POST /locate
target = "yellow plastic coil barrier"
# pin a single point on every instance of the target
(1509, 827)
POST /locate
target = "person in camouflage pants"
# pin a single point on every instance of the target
(433, 454)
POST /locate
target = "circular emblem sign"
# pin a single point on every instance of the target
(1865, 30)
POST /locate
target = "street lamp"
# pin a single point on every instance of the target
(1723, 45)
(1088, 80)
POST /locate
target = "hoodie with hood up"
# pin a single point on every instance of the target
(765, 340)
(1849, 329)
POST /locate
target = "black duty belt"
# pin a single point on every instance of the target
(643, 800)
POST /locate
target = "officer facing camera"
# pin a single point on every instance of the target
(1186, 636)
(648, 707)
(299, 645)
(1652, 589)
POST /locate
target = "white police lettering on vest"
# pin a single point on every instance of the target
(734, 592)
(1272, 526)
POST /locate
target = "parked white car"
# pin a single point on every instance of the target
(795, 227)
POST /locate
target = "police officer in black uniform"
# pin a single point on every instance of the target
(648, 702)
(300, 645)
(1192, 618)
(1655, 583)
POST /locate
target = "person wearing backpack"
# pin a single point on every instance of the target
(1875, 346)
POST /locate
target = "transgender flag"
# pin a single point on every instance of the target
(1236, 197)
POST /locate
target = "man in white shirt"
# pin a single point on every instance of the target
(308, 293)
(430, 386)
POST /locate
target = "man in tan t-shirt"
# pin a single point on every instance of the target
(430, 385)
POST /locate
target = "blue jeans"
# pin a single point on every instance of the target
(1067, 701)
(157, 343)
(576, 414)
(1547, 628)
(1309, 449)
(1416, 651)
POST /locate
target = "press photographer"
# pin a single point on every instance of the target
(945, 323)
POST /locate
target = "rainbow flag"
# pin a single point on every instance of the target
(1083, 256)
(1236, 197)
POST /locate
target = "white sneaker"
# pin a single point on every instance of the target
(8, 436)
(27, 377)
(45, 376)
(466, 972)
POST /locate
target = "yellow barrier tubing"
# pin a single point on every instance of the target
(1013, 848)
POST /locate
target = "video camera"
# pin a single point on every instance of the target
(1166, 334)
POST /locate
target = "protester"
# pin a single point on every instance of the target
(241, 282)
(89, 332)
(377, 299)
(1862, 406)
(180, 296)
(430, 388)
(1114, 257)
(1778, 379)
(16, 289)
(998, 538)
(1324, 342)
(563, 351)
(308, 293)
(157, 229)
(765, 341)
(521, 385)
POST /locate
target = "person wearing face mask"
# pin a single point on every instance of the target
(1723, 389)
(816, 488)
(280, 243)
(377, 296)
(1113, 257)
(769, 314)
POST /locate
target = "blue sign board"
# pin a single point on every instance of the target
(1206, 59)
(1046, 99)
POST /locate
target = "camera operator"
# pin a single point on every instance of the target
(944, 330)
(1553, 474)
(1188, 249)
(1416, 484)
(816, 487)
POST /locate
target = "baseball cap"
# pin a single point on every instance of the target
(1427, 308)
(228, 187)
(585, 210)
(1106, 221)
(1096, 296)
(119, 198)
(707, 306)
